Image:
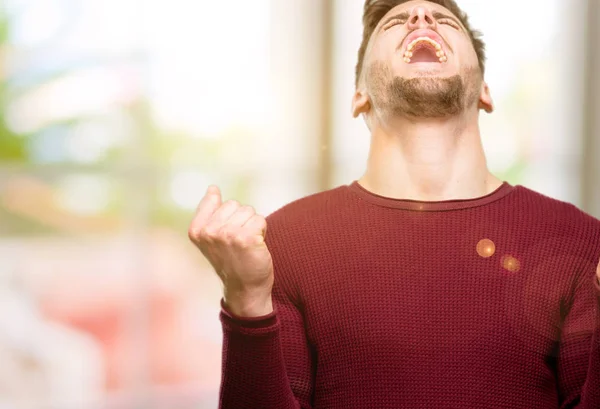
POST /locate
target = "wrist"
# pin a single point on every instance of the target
(246, 305)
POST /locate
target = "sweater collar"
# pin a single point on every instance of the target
(445, 205)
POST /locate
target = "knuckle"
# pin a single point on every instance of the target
(210, 233)
(248, 209)
(232, 203)
(193, 234)
(196, 233)
(259, 221)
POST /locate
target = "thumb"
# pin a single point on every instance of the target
(215, 195)
(207, 206)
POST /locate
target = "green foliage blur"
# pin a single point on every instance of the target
(138, 169)
(12, 146)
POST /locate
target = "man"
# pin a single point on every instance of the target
(428, 283)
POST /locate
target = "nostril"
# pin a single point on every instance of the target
(415, 19)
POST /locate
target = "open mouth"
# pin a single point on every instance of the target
(424, 49)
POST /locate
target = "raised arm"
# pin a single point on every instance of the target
(266, 359)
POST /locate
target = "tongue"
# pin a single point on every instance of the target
(424, 54)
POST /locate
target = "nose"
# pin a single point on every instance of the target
(421, 18)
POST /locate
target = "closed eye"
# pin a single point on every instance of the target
(393, 23)
(401, 18)
(442, 18)
(448, 22)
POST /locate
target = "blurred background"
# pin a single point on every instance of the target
(116, 115)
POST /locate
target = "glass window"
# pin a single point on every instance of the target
(117, 115)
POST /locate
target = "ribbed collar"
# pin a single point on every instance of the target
(445, 205)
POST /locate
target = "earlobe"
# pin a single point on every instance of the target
(485, 100)
(360, 103)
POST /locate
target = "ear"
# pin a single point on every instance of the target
(360, 103)
(485, 99)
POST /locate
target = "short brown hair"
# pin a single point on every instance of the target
(375, 10)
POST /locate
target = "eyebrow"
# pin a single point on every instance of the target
(401, 16)
(436, 14)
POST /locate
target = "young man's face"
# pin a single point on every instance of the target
(419, 58)
(393, 41)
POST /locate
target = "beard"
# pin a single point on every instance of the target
(425, 96)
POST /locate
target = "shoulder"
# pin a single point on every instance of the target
(310, 211)
(557, 210)
(578, 228)
(296, 233)
(301, 228)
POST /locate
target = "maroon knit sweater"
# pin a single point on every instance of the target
(384, 303)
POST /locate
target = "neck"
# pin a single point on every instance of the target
(428, 160)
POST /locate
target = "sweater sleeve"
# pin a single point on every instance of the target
(267, 362)
(578, 366)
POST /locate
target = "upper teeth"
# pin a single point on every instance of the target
(439, 52)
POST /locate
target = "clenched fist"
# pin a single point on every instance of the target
(232, 238)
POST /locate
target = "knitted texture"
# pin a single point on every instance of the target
(385, 303)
